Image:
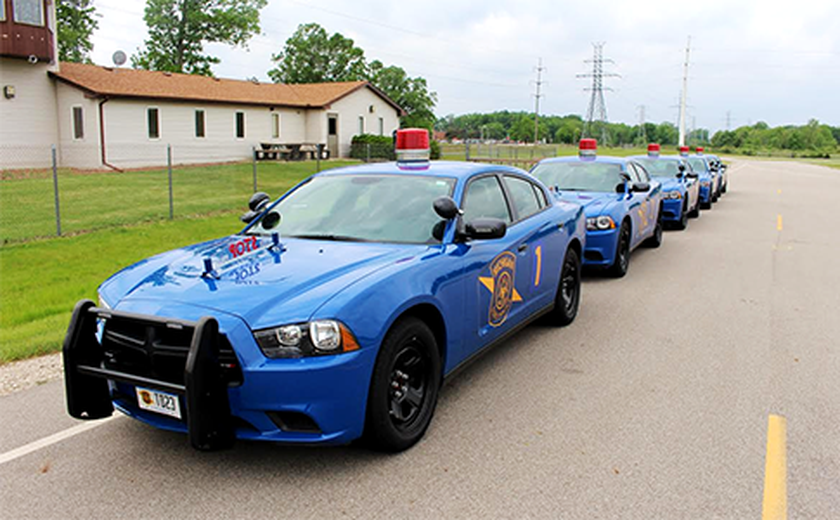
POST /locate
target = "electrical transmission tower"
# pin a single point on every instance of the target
(538, 84)
(597, 112)
(642, 135)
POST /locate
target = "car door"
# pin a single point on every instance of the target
(652, 197)
(495, 270)
(541, 249)
(637, 209)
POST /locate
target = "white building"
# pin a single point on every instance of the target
(100, 117)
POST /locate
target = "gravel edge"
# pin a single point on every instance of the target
(20, 375)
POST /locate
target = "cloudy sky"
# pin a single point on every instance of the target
(756, 60)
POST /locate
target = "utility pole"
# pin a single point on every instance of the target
(684, 96)
(728, 120)
(642, 135)
(537, 97)
(597, 111)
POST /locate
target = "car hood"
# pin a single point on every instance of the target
(263, 286)
(595, 203)
(669, 183)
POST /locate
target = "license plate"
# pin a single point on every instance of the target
(159, 402)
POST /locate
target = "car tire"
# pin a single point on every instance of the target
(706, 205)
(723, 190)
(682, 223)
(655, 240)
(622, 253)
(404, 387)
(696, 211)
(567, 299)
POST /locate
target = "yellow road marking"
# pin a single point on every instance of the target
(779, 222)
(774, 506)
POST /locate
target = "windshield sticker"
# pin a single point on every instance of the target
(501, 284)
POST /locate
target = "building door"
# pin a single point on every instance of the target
(332, 134)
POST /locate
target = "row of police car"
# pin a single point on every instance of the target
(341, 307)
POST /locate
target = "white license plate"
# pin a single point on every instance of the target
(158, 402)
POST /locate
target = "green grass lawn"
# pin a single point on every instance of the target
(41, 281)
(98, 200)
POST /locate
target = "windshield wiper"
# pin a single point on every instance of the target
(334, 238)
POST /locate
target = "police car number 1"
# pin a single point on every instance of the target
(159, 402)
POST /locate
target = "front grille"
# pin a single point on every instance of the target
(159, 350)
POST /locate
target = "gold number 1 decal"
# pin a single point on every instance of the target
(538, 252)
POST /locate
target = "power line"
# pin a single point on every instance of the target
(537, 97)
(597, 111)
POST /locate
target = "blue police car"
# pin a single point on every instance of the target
(337, 312)
(622, 203)
(720, 168)
(707, 178)
(680, 188)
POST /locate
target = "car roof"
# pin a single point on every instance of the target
(604, 159)
(452, 169)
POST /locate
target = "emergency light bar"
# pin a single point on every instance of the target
(699, 150)
(684, 151)
(653, 150)
(588, 147)
(412, 145)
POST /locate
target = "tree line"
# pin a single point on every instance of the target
(810, 140)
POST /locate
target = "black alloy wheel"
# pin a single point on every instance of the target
(567, 300)
(404, 387)
(622, 252)
(683, 222)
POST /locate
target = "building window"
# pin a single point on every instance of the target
(240, 125)
(275, 126)
(3, 10)
(153, 120)
(381, 126)
(78, 123)
(199, 123)
(361, 124)
(30, 12)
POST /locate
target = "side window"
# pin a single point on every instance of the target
(153, 122)
(240, 125)
(524, 198)
(485, 198)
(631, 171)
(541, 198)
(643, 174)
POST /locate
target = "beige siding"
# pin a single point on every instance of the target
(27, 122)
(356, 105)
(77, 153)
(128, 144)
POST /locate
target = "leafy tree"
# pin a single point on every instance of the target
(412, 94)
(178, 30)
(313, 56)
(76, 23)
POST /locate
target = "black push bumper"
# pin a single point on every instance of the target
(204, 390)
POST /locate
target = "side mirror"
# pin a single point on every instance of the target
(640, 186)
(446, 208)
(486, 228)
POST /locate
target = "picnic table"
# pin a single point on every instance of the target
(289, 151)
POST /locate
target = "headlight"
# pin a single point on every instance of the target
(672, 195)
(316, 338)
(705, 184)
(600, 223)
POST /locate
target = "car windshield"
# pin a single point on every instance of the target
(579, 176)
(698, 164)
(660, 167)
(363, 208)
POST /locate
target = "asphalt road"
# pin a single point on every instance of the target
(653, 404)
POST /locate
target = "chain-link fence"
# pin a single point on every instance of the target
(521, 155)
(42, 195)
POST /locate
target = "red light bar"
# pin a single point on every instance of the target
(683, 150)
(654, 149)
(412, 145)
(588, 144)
(699, 149)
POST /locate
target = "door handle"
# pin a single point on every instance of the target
(522, 248)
